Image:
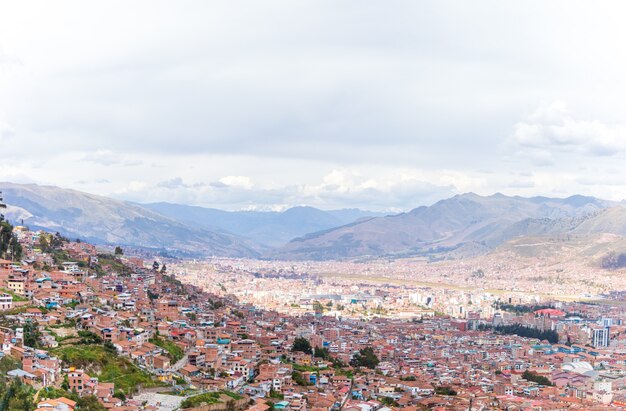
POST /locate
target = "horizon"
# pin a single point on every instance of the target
(285, 208)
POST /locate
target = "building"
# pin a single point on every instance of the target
(601, 337)
(6, 301)
(59, 404)
(16, 285)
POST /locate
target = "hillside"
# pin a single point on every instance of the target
(466, 223)
(104, 220)
(269, 228)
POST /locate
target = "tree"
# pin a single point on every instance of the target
(89, 403)
(365, 358)
(155, 266)
(445, 391)
(119, 251)
(163, 269)
(388, 401)
(302, 345)
(299, 379)
(44, 244)
(8, 241)
(31, 334)
(321, 353)
(534, 377)
(110, 347)
(2, 205)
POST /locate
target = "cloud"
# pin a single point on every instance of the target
(6, 131)
(287, 103)
(174, 183)
(109, 158)
(340, 188)
(552, 128)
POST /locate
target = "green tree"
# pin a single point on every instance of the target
(534, 377)
(32, 335)
(89, 403)
(321, 353)
(8, 241)
(299, 379)
(445, 391)
(388, 401)
(303, 345)
(44, 244)
(365, 358)
(119, 251)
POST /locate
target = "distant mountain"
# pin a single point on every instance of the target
(462, 226)
(106, 221)
(269, 228)
(466, 224)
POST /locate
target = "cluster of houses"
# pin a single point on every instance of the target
(192, 341)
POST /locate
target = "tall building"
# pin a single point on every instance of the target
(601, 337)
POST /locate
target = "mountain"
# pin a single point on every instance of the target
(269, 228)
(465, 224)
(106, 221)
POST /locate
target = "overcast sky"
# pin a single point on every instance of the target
(382, 105)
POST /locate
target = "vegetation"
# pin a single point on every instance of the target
(388, 401)
(9, 246)
(276, 394)
(16, 396)
(299, 379)
(108, 262)
(210, 398)
(365, 358)
(302, 345)
(445, 391)
(321, 353)
(108, 366)
(519, 308)
(613, 261)
(88, 338)
(175, 353)
(534, 377)
(32, 335)
(13, 394)
(16, 297)
(523, 331)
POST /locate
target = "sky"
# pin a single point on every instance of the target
(381, 105)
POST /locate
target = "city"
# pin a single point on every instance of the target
(313, 205)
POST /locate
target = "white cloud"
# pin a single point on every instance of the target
(552, 128)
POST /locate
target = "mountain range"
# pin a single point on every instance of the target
(269, 228)
(103, 220)
(175, 228)
(464, 225)
(461, 226)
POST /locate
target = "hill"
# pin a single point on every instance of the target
(268, 228)
(103, 220)
(466, 224)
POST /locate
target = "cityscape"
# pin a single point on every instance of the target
(317, 205)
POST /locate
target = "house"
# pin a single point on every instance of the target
(58, 404)
(161, 362)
